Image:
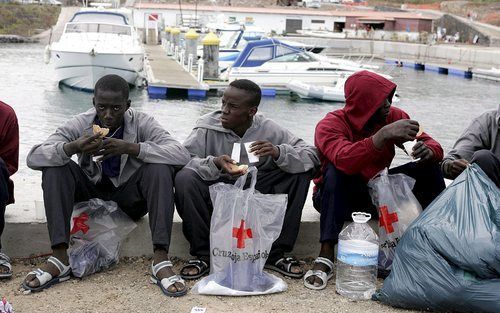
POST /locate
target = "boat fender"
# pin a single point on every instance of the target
(316, 92)
(46, 55)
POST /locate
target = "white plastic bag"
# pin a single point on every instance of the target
(244, 225)
(397, 208)
(97, 228)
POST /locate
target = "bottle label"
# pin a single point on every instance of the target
(357, 252)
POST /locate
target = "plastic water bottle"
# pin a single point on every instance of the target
(357, 256)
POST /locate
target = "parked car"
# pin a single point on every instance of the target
(311, 4)
(51, 2)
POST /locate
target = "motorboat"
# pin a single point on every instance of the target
(490, 74)
(335, 92)
(234, 37)
(272, 63)
(97, 42)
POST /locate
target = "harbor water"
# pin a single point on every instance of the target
(443, 105)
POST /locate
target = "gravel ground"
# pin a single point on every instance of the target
(126, 288)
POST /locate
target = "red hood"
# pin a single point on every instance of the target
(364, 93)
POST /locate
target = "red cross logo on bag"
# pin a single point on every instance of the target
(386, 219)
(241, 234)
(79, 224)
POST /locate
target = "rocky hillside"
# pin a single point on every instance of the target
(26, 20)
(482, 11)
(486, 11)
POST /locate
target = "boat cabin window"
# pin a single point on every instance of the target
(99, 18)
(261, 54)
(282, 50)
(97, 28)
(296, 57)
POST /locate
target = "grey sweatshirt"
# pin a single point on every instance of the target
(209, 140)
(482, 133)
(156, 146)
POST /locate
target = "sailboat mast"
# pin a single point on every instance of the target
(196, 13)
(180, 9)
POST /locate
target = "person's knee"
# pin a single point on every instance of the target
(184, 179)
(304, 176)
(482, 158)
(331, 176)
(158, 170)
(55, 171)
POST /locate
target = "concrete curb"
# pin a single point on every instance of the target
(21, 240)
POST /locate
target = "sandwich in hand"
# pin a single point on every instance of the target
(101, 131)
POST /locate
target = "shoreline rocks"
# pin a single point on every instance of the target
(17, 39)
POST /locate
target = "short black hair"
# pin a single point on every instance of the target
(113, 83)
(251, 88)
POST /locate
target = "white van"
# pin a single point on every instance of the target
(311, 4)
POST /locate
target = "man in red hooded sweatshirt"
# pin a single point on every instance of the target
(9, 157)
(357, 142)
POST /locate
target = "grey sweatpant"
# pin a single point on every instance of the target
(193, 203)
(489, 163)
(149, 190)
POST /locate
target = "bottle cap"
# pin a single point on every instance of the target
(361, 217)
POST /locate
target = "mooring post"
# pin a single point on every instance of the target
(192, 44)
(175, 34)
(167, 35)
(211, 56)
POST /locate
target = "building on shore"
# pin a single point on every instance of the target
(283, 20)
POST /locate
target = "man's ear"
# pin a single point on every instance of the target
(128, 104)
(252, 111)
(93, 101)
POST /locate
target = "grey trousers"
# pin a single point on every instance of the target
(489, 163)
(195, 207)
(149, 190)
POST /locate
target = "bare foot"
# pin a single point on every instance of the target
(60, 252)
(328, 252)
(288, 265)
(160, 256)
(296, 269)
(50, 268)
(315, 280)
(191, 270)
(4, 269)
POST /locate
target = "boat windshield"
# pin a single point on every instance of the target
(97, 28)
(294, 57)
(100, 17)
(228, 38)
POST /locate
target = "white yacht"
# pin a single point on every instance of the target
(97, 42)
(272, 63)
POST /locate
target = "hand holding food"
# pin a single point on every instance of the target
(420, 131)
(101, 131)
(230, 166)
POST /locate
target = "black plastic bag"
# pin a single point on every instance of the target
(449, 258)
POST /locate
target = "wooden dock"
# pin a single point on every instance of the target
(166, 75)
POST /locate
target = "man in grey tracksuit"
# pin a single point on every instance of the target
(480, 144)
(133, 166)
(285, 165)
